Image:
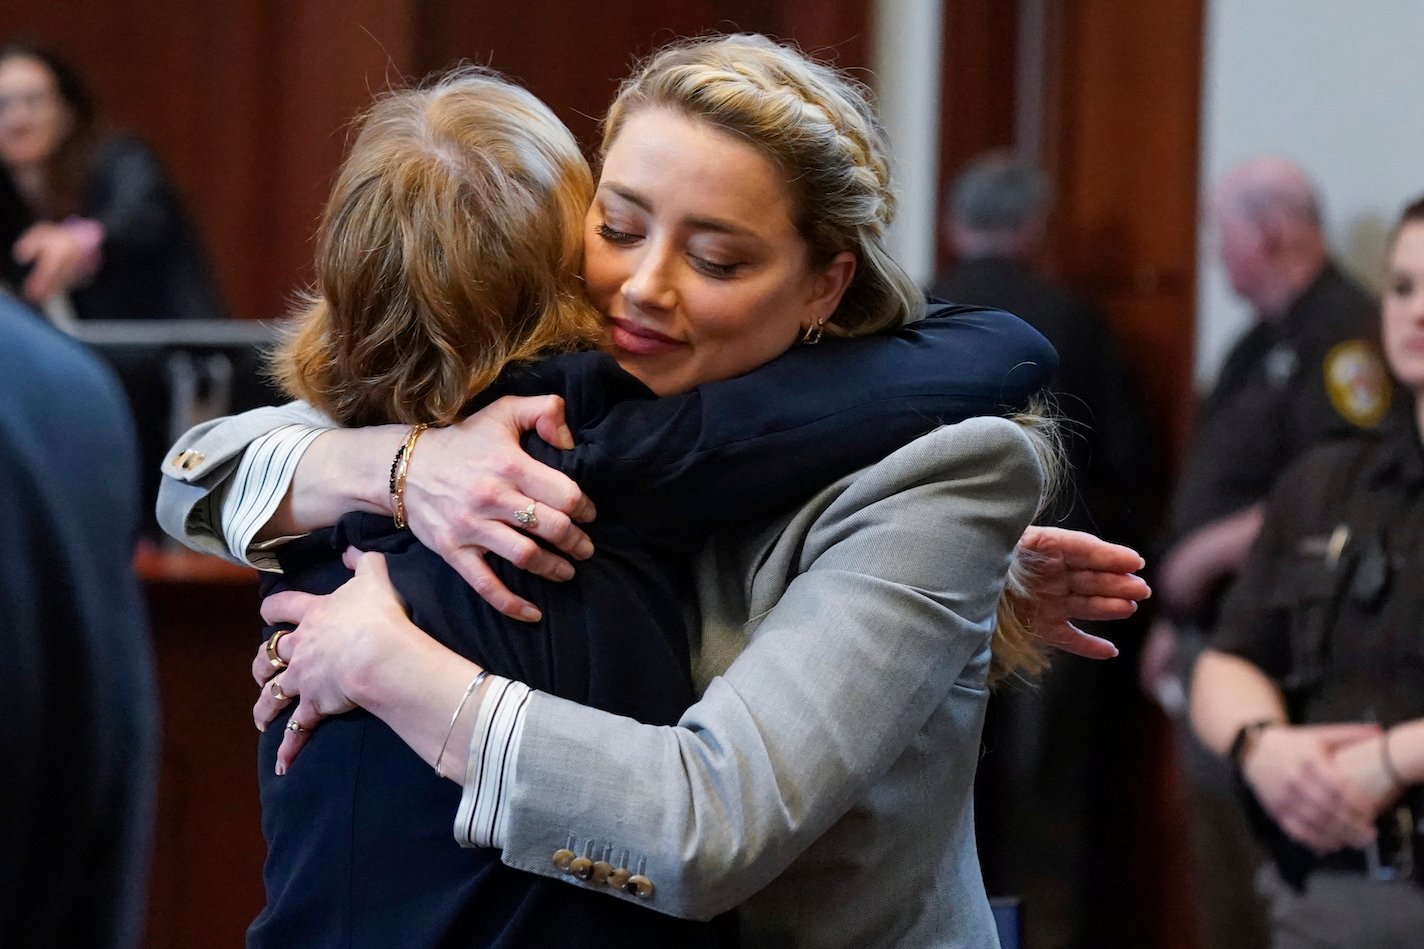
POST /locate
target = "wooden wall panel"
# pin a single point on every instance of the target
(1122, 145)
(247, 101)
(977, 90)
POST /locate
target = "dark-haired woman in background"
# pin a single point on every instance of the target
(84, 216)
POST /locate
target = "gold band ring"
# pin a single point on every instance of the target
(277, 692)
(273, 656)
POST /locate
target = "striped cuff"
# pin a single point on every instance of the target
(483, 817)
(257, 488)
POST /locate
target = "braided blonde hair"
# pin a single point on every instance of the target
(818, 125)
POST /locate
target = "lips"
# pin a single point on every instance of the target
(632, 338)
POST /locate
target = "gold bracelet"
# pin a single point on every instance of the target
(399, 468)
(469, 691)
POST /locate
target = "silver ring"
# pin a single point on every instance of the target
(295, 726)
(277, 692)
(527, 517)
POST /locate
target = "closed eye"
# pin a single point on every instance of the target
(712, 268)
(615, 236)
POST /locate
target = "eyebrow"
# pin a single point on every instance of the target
(697, 223)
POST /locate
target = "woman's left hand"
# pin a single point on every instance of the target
(338, 639)
(1363, 766)
(1077, 576)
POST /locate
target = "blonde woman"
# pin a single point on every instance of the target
(726, 226)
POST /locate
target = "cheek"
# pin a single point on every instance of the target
(752, 330)
(601, 275)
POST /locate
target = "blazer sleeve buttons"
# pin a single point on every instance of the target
(602, 869)
(188, 459)
(581, 867)
(562, 859)
(619, 878)
(640, 886)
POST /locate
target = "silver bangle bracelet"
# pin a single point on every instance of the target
(469, 691)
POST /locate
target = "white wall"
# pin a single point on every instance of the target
(1335, 86)
(905, 62)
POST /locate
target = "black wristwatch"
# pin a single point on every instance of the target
(1245, 735)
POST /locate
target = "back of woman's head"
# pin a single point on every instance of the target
(449, 248)
(817, 124)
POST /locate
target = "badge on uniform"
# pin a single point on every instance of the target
(1356, 381)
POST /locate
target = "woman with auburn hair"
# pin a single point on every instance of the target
(709, 252)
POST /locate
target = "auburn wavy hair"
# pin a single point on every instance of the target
(450, 247)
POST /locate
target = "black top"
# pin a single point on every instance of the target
(1312, 374)
(1330, 602)
(1273, 399)
(153, 264)
(80, 751)
(1107, 436)
(360, 829)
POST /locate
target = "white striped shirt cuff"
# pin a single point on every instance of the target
(258, 486)
(483, 817)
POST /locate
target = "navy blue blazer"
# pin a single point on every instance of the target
(359, 831)
(80, 744)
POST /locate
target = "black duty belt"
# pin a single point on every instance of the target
(1396, 854)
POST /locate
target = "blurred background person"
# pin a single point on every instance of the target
(80, 752)
(1052, 741)
(1307, 371)
(1313, 687)
(92, 227)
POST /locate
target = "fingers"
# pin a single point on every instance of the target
(470, 564)
(289, 607)
(1097, 583)
(305, 720)
(276, 695)
(1333, 737)
(1071, 639)
(1099, 608)
(1082, 551)
(1324, 811)
(46, 278)
(262, 668)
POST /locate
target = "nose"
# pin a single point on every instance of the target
(651, 286)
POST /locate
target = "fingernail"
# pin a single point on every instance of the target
(584, 549)
(260, 727)
(566, 438)
(530, 615)
(281, 769)
(564, 571)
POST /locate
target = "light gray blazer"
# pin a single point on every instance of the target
(824, 781)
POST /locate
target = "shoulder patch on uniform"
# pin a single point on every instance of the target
(1357, 383)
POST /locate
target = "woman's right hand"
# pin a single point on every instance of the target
(1292, 771)
(466, 483)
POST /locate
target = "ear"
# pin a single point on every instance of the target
(828, 285)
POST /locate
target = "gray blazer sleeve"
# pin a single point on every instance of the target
(890, 592)
(204, 459)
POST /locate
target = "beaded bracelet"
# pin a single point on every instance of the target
(400, 466)
(469, 691)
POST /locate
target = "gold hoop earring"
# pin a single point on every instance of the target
(812, 334)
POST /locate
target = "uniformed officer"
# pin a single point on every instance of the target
(1307, 371)
(1314, 685)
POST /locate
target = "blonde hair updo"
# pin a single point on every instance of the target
(818, 125)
